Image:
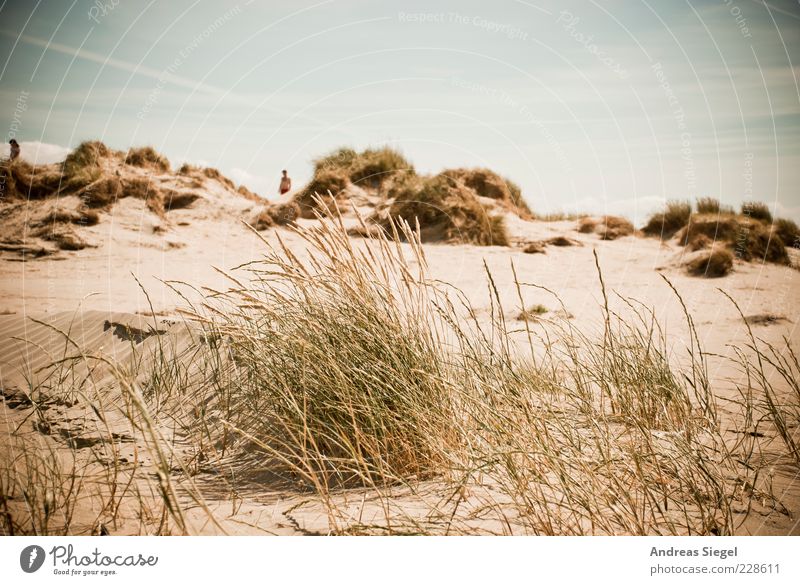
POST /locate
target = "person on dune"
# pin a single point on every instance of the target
(14, 151)
(286, 183)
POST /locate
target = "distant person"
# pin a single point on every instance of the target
(286, 183)
(14, 149)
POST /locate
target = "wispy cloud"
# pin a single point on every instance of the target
(120, 64)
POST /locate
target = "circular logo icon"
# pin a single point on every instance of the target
(31, 558)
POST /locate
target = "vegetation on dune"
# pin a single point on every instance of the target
(608, 227)
(147, 157)
(447, 211)
(487, 183)
(713, 263)
(788, 232)
(666, 224)
(278, 214)
(323, 193)
(747, 239)
(349, 367)
(371, 169)
(757, 210)
(749, 236)
(712, 205)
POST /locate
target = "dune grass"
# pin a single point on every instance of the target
(666, 224)
(787, 231)
(147, 157)
(318, 196)
(487, 183)
(371, 167)
(447, 211)
(712, 205)
(608, 227)
(714, 263)
(757, 210)
(350, 368)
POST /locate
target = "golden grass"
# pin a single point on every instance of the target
(351, 367)
(748, 239)
(532, 313)
(608, 227)
(370, 168)
(714, 263)
(147, 157)
(325, 190)
(666, 224)
(710, 205)
(278, 214)
(787, 231)
(487, 183)
(447, 211)
(757, 210)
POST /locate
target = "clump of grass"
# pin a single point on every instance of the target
(370, 168)
(531, 313)
(560, 216)
(147, 157)
(561, 242)
(345, 383)
(586, 225)
(21, 180)
(757, 210)
(714, 263)
(708, 205)
(375, 166)
(666, 224)
(264, 221)
(787, 231)
(280, 214)
(747, 239)
(87, 155)
(215, 175)
(534, 248)
(247, 193)
(447, 211)
(712, 205)
(487, 183)
(325, 190)
(698, 241)
(102, 192)
(189, 169)
(608, 227)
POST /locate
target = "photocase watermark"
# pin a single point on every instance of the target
(503, 98)
(101, 9)
(31, 558)
(66, 561)
(183, 55)
(512, 32)
(570, 23)
(689, 169)
(19, 109)
(741, 21)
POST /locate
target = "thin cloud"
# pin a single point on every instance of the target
(116, 63)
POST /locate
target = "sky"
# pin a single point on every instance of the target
(604, 107)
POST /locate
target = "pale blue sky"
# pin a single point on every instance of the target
(607, 106)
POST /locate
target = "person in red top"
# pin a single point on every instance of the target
(286, 183)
